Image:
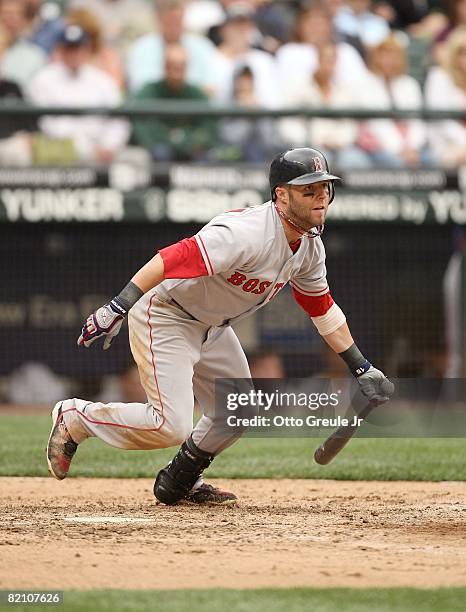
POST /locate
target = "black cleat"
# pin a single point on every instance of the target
(175, 481)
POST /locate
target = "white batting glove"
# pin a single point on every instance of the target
(375, 385)
(105, 321)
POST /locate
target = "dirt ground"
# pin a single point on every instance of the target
(281, 533)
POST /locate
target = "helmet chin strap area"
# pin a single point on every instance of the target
(313, 232)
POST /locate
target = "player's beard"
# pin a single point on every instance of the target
(304, 216)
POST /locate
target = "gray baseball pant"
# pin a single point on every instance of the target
(178, 359)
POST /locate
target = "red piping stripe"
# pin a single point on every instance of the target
(153, 361)
(316, 293)
(106, 423)
(207, 256)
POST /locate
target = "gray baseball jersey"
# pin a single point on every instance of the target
(248, 261)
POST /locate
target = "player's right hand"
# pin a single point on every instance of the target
(375, 385)
(105, 321)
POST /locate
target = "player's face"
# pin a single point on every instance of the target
(307, 204)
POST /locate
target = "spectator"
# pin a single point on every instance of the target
(20, 59)
(336, 138)
(456, 14)
(388, 142)
(420, 25)
(121, 21)
(203, 15)
(420, 18)
(15, 137)
(331, 367)
(356, 19)
(434, 21)
(45, 24)
(401, 13)
(446, 90)
(214, 31)
(102, 56)
(174, 138)
(126, 387)
(10, 92)
(333, 7)
(266, 363)
(247, 139)
(273, 22)
(35, 384)
(299, 58)
(235, 51)
(146, 56)
(130, 384)
(73, 81)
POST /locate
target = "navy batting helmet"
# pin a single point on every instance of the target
(300, 167)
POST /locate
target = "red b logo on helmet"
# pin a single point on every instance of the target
(318, 164)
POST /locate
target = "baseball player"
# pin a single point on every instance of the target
(180, 307)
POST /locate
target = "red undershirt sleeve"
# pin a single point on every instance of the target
(183, 260)
(315, 306)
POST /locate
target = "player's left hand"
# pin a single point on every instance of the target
(375, 385)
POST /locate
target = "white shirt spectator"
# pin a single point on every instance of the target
(299, 60)
(203, 14)
(122, 21)
(447, 138)
(264, 70)
(403, 93)
(21, 62)
(35, 384)
(55, 85)
(322, 133)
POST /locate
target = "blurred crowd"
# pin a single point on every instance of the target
(374, 55)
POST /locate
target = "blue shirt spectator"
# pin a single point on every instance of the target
(46, 24)
(146, 56)
(357, 20)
